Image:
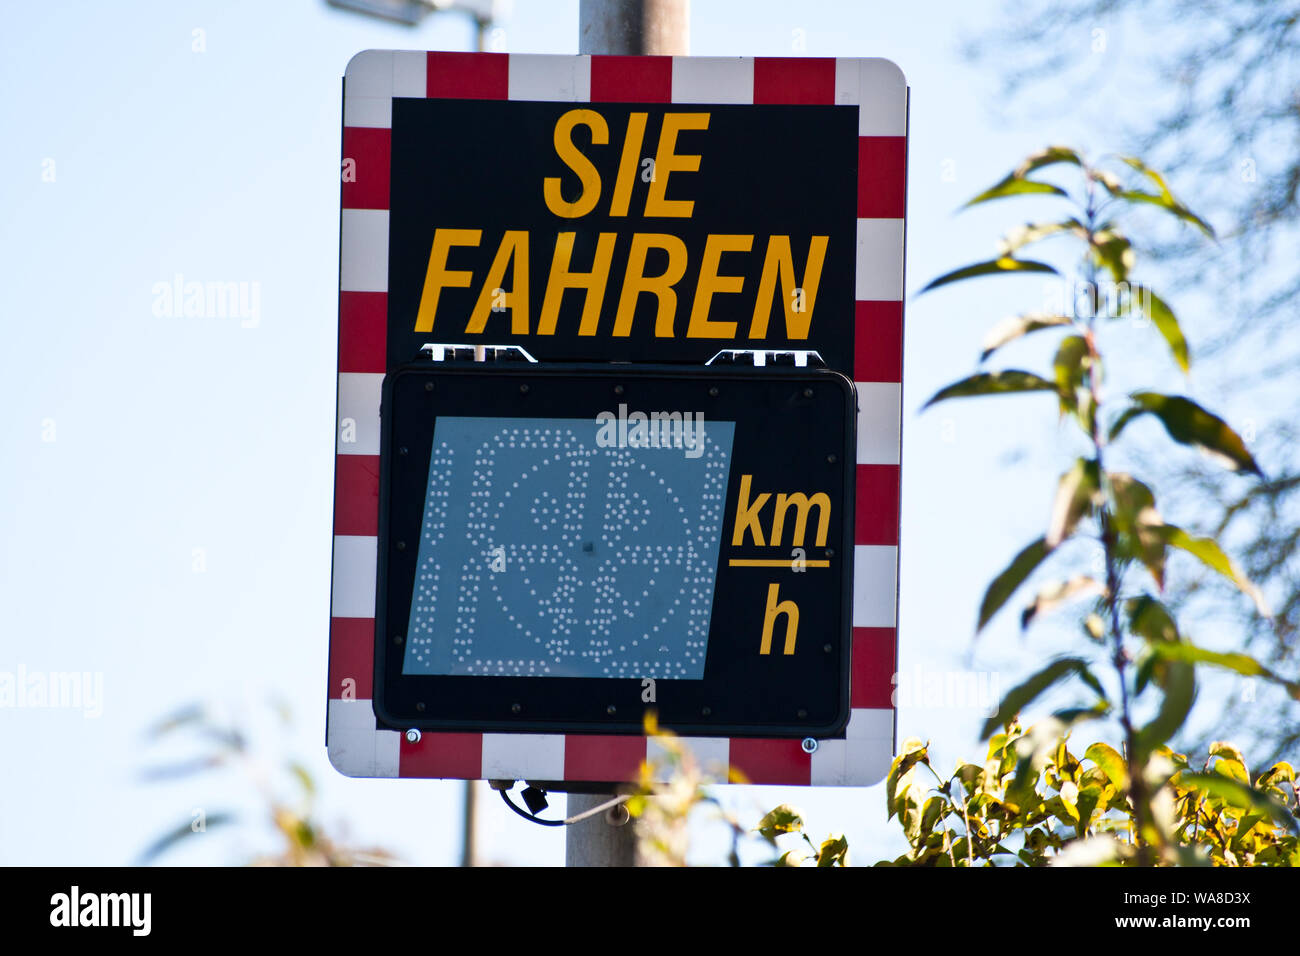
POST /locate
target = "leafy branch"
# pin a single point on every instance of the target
(1113, 508)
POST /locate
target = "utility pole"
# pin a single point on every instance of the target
(634, 27)
(469, 830)
(606, 839)
(628, 27)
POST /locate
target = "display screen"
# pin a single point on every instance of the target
(563, 549)
(551, 548)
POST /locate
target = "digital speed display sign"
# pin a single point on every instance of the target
(566, 546)
(529, 556)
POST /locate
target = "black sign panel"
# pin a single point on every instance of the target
(564, 547)
(657, 232)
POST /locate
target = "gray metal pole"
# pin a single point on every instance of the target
(607, 839)
(630, 27)
(634, 27)
(469, 833)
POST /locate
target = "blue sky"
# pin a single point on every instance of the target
(165, 503)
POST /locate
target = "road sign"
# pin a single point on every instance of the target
(610, 210)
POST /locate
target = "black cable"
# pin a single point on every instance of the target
(568, 821)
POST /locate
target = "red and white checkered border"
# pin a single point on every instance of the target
(373, 79)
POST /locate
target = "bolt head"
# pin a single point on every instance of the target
(809, 745)
(413, 736)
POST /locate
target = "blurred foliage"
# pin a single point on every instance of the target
(672, 791)
(303, 840)
(1148, 803)
(1034, 803)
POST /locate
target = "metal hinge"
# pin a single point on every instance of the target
(445, 352)
(760, 358)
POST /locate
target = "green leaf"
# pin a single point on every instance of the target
(1170, 205)
(1180, 692)
(1150, 173)
(1150, 620)
(1190, 424)
(1279, 771)
(992, 383)
(304, 778)
(1163, 199)
(1138, 524)
(1233, 661)
(909, 815)
(1208, 552)
(1048, 156)
(1239, 795)
(780, 820)
(1017, 325)
(913, 752)
(1233, 769)
(1112, 764)
(1025, 693)
(1012, 186)
(934, 810)
(1032, 232)
(1107, 179)
(833, 852)
(1064, 811)
(1077, 715)
(1054, 595)
(1015, 183)
(1146, 667)
(1166, 323)
(1077, 494)
(1043, 745)
(1001, 266)
(1070, 366)
(1238, 663)
(1114, 252)
(1006, 583)
(1248, 821)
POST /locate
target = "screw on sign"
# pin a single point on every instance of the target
(673, 484)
